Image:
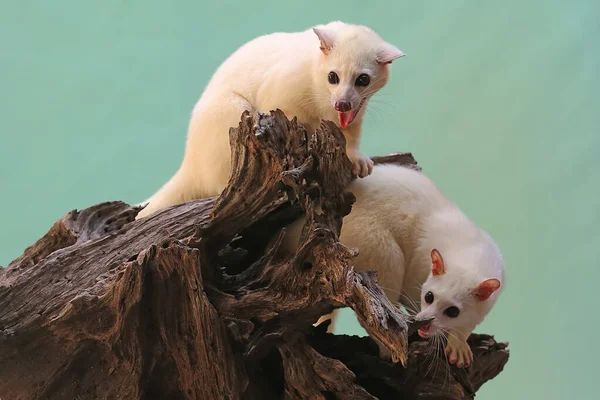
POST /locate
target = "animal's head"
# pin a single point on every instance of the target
(453, 298)
(353, 66)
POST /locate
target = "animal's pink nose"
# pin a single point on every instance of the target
(343, 105)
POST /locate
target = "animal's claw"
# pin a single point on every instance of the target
(361, 164)
(459, 353)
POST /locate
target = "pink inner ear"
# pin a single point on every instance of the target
(383, 62)
(388, 53)
(485, 289)
(325, 38)
(437, 263)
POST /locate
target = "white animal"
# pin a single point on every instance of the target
(328, 72)
(423, 248)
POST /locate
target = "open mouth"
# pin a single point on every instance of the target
(424, 331)
(347, 117)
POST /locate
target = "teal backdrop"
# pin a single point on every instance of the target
(498, 100)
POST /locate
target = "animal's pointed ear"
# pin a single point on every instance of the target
(388, 53)
(485, 289)
(437, 263)
(326, 37)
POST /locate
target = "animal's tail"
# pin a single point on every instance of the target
(143, 203)
(171, 193)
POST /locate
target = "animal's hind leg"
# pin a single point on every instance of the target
(208, 151)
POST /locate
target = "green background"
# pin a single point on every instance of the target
(499, 101)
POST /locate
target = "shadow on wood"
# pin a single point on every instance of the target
(193, 302)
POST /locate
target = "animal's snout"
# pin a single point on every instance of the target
(343, 105)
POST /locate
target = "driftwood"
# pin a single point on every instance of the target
(195, 302)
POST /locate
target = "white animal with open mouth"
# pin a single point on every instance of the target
(328, 72)
(425, 250)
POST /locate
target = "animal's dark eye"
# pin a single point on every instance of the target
(363, 80)
(428, 297)
(333, 78)
(452, 312)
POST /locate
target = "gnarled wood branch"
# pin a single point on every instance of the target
(195, 302)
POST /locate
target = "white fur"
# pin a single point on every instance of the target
(399, 217)
(288, 71)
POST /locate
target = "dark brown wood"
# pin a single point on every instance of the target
(196, 301)
(405, 159)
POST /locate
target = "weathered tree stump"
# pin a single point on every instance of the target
(195, 302)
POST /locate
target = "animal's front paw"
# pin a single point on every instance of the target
(361, 164)
(459, 352)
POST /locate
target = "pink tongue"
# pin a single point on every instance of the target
(345, 118)
(423, 331)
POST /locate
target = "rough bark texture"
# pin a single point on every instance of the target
(195, 302)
